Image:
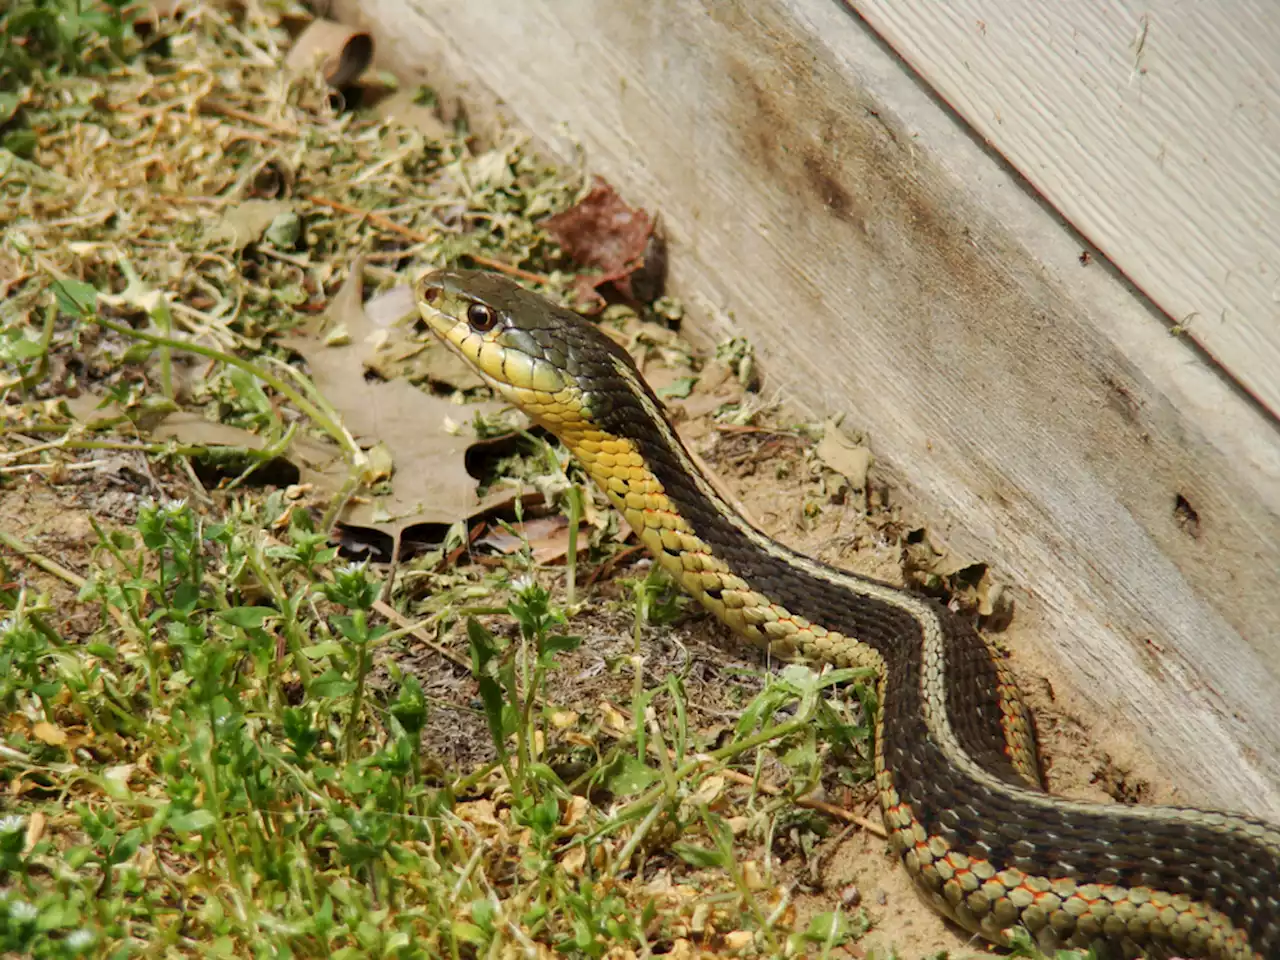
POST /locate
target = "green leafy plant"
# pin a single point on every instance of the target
(71, 35)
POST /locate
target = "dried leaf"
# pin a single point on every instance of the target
(35, 830)
(708, 791)
(602, 232)
(191, 428)
(418, 361)
(562, 720)
(678, 388)
(573, 862)
(839, 452)
(46, 732)
(715, 387)
(612, 719)
(417, 444)
(548, 538)
(577, 807)
(480, 813)
(390, 307)
(246, 222)
(405, 107)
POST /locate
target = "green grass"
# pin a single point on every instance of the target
(213, 774)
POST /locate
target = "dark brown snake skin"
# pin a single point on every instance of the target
(956, 761)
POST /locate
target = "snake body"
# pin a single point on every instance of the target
(956, 762)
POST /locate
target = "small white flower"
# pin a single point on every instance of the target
(80, 939)
(22, 911)
(12, 823)
(523, 582)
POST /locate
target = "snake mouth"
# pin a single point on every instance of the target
(504, 367)
(432, 299)
(489, 330)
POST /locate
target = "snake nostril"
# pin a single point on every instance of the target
(430, 294)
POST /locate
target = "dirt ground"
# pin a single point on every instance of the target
(1080, 763)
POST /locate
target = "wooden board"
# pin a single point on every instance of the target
(890, 268)
(1154, 127)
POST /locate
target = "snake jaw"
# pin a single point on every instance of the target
(517, 364)
(445, 311)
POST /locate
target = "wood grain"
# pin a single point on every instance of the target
(1154, 127)
(887, 266)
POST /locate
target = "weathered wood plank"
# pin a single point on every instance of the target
(889, 267)
(1153, 126)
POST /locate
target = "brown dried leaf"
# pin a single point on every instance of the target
(416, 361)
(403, 105)
(191, 428)
(245, 222)
(612, 719)
(46, 732)
(603, 233)
(573, 862)
(548, 538)
(840, 453)
(421, 434)
(35, 830)
(716, 386)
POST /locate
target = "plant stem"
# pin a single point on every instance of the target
(732, 750)
(326, 423)
(571, 558)
(289, 607)
(362, 669)
(41, 561)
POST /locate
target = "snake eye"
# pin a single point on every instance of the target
(481, 317)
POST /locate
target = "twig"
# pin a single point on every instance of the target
(41, 561)
(451, 558)
(394, 615)
(225, 110)
(418, 237)
(507, 268)
(830, 809)
(616, 560)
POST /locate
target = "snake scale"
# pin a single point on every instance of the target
(956, 762)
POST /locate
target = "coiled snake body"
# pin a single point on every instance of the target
(956, 763)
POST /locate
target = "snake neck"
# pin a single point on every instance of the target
(792, 605)
(956, 762)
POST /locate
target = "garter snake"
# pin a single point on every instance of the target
(956, 762)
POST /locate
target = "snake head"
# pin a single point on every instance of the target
(550, 362)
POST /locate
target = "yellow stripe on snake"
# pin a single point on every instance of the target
(956, 762)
